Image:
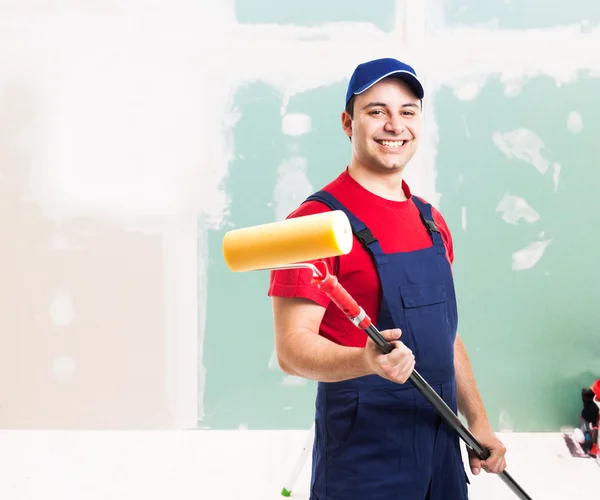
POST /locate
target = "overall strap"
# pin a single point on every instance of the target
(429, 222)
(359, 228)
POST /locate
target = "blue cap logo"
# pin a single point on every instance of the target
(369, 73)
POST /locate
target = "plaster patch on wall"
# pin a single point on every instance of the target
(468, 87)
(292, 186)
(273, 364)
(574, 122)
(464, 120)
(511, 56)
(514, 208)
(292, 380)
(522, 144)
(505, 422)
(463, 218)
(296, 124)
(528, 257)
(62, 309)
(467, 92)
(555, 175)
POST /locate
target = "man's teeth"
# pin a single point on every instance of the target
(392, 144)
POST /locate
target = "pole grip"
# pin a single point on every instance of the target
(330, 285)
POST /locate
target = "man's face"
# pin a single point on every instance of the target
(386, 126)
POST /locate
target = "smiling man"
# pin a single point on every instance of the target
(376, 435)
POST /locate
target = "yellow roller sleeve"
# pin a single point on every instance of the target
(299, 239)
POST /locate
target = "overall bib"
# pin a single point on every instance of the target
(378, 440)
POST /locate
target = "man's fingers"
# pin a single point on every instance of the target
(475, 466)
(495, 463)
(398, 363)
(474, 462)
(408, 361)
(393, 334)
(400, 354)
(494, 466)
(391, 359)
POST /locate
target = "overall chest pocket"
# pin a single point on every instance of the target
(426, 317)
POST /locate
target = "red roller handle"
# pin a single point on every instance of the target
(329, 285)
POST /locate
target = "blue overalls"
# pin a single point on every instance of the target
(378, 440)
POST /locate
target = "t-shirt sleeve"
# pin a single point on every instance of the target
(446, 234)
(296, 283)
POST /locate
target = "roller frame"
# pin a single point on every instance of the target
(329, 284)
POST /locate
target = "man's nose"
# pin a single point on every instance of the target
(394, 125)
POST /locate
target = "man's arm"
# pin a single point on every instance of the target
(471, 406)
(467, 394)
(301, 351)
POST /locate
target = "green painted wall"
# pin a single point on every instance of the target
(533, 334)
(520, 14)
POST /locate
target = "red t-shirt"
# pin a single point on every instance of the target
(398, 227)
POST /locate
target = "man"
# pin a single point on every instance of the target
(376, 437)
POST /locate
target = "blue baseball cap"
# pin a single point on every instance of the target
(369, 73)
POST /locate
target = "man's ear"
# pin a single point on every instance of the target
(347, 124)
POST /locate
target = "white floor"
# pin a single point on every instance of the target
(242, 465)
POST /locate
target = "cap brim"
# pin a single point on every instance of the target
(406, 76)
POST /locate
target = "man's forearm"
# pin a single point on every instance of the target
(467, 394)
(305, 354)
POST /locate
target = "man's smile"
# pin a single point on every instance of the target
(392, 145)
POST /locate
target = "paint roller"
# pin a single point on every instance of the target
(301, 242)
(311, 237)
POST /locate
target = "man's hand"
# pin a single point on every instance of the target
(396, 365)
(496, 462)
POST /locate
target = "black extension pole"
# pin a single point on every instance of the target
(446, 412)
(330, 285)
